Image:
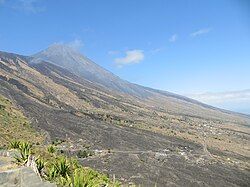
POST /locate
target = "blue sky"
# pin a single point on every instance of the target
(187, 47)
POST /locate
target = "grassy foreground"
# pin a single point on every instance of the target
(60, 169)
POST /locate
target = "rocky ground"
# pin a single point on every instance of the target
(12, 175)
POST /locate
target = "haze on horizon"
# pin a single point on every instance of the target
(198, 49)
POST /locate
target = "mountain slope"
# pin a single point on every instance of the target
(68, 58)
(153, 138)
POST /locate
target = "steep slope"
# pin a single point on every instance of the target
(159, 139)
(70, 59)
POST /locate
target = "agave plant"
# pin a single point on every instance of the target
(51, 149)
(40, 163)
(63, 167)
(74, 164)
(25, 151)
(87, 177)
(14, 144)
(78, 178)
(51, 173)
(61, 181)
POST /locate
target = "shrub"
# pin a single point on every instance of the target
(78, 178)
(61, 181)
(82, 154)
(86, 177)
(58, 171)
(62, 170)
(51, 172)
(25, 151)
(40, 163)
(57, 142)
(14, 144)
(62, 166)
(51, 149)
(74, 164)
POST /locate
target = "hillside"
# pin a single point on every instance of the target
(14, 125)
(141, 135)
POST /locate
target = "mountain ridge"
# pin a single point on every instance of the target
(145, 94)
(137, 90)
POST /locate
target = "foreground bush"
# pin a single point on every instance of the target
(24, 149)
(14, 144)
(67, 172)
(40, 163)
(61, 170)
(62, 166)
(51, 149)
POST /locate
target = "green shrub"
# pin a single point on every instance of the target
(62, 170)
(74, 164)
(87, 177)
(57, 142)
(83, 154)
(25, 151)
(78, 178)
(14, 144)
(51, 149)
(61, 181)
(40, 164)
(62, 166)
(51, 172)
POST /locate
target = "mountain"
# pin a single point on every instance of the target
(73, 61)
(68, 58)
(152, 136)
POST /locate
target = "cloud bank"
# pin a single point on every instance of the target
(238, 101)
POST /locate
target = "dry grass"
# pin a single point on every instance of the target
(14, 125)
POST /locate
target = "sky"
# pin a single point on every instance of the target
(196, 48)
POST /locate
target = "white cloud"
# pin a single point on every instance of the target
(76, 44)
(29, 6)
(200, 32)
(173, 38)
(223, 96)
(236, 100)
(132, 57)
